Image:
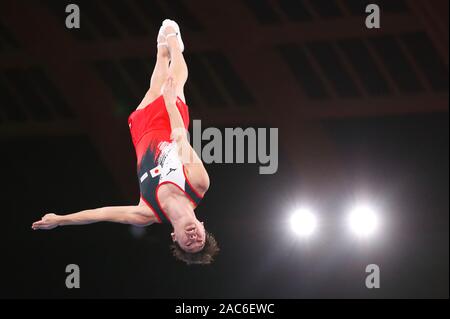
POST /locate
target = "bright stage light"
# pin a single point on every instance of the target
(303, 222)
(363, 220)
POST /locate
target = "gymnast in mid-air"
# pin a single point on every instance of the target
(171, 175)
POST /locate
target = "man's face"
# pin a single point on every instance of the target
(191, 237)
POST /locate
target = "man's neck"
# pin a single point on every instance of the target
(178, 207)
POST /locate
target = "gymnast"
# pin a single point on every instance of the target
(171, 175)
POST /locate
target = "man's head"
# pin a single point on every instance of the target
(193, 244)
(190, 235)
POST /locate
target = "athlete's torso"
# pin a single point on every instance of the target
(158, 162)
(151, 125)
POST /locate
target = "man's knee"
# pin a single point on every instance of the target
(180, 78)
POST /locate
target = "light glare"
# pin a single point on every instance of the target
(303, 222)
(363, 221)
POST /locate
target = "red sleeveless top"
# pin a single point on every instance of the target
(151, 125)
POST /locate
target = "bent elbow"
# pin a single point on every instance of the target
(202, 183)
(141, 220)
(139, 217)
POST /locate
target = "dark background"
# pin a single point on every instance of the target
(361, 113)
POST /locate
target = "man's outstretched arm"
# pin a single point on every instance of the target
(136, 215)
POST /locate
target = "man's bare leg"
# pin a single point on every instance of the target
(178, 68)
(159, 75)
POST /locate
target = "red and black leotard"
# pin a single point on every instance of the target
(158, 162)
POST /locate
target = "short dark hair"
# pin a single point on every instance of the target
(203, 257)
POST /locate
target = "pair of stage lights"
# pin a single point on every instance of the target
(362, 220)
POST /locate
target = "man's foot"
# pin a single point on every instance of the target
(162, 45)
(171, 31)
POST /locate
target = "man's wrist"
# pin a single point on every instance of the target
(60, 220)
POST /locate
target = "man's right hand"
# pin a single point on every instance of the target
(49, 221)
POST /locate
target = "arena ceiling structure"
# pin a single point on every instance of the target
(252, 63)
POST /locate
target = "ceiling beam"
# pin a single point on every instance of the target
(32, 129)
(311, 110)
